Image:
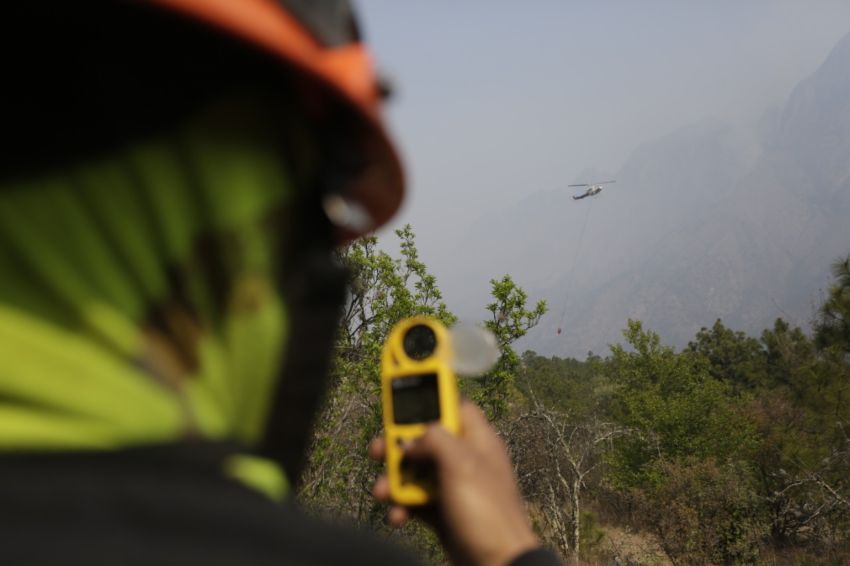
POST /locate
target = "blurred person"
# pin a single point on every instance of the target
(175, 176)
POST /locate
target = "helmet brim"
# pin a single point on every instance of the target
(345, 73)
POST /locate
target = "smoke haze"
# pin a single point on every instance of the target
(500, 105)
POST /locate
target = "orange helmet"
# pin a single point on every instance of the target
(69, 87)
(319, 39)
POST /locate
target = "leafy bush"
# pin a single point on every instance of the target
(705, 513)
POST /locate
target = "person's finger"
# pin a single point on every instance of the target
(381, 489)
(377, 448)
(436, 444)
(397, 516)
(476, 428)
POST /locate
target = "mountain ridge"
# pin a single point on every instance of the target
(708, 222)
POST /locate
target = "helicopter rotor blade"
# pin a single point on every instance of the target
(594, 184)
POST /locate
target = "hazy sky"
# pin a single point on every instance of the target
(496, 99)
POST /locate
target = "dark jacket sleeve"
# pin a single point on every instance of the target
(162, 506)
(536, 557)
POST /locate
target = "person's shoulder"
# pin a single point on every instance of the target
(314, 542)
(139, 508)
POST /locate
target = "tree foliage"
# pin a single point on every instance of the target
(833, 324)
(674, 407)
(384, 290)
(510, 319)
(734, 450)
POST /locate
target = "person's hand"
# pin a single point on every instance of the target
(478, 513)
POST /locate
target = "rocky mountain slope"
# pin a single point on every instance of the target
(708, 222)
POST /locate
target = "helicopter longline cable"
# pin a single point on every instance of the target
(573, 268)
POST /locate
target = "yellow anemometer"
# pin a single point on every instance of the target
(418, 387)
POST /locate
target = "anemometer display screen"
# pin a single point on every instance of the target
(415, 399)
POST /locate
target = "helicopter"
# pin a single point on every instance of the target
(593, 189)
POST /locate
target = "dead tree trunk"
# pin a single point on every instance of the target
(576, 505)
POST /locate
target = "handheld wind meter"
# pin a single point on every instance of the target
(418, 387)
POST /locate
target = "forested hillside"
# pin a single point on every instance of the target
(734, 449)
